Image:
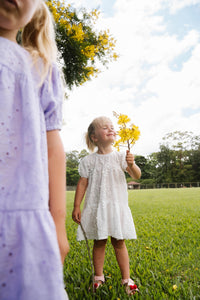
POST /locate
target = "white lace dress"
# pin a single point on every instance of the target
(106, 211)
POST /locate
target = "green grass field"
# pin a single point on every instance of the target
(165, 254)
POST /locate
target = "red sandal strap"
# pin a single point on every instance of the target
(130, 283)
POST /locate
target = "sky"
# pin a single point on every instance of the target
(156, 79)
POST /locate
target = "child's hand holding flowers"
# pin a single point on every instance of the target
(130, 159)
(133, 170)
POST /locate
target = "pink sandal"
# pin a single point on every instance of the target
(130, 286)
(98, 281)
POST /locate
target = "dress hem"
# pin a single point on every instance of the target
(106, 237)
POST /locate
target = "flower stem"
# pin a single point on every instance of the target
(88, 249)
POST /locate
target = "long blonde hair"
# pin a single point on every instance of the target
(38, 37)
(98, 122)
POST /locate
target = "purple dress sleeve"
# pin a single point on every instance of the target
(51, 100)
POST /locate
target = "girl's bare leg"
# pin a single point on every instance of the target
(98, 256)
(122, 257)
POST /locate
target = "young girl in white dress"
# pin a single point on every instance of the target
(106, 211)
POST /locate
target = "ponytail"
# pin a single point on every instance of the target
(90, 144)
(38, 37)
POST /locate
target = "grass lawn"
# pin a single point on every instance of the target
(165, 258)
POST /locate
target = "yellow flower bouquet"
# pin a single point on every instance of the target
(127, 135)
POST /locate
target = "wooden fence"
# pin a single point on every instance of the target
(170, 185)
(156, 186)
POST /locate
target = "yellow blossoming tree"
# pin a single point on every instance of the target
(80, 46)
(127, 135)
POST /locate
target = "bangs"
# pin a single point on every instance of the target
(101, 121)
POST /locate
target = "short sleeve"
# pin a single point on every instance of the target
(51, 100)
(83, 168)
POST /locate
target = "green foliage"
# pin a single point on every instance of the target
(147, 181)
(144, 165)
(73, 159)
(178, 159)
(80, 46)
(166, 253)
(72, 176)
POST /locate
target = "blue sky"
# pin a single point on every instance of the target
(183, 20)
(156, 78)
(107, 7)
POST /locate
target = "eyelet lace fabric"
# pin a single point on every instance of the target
(106, 211)
(30, 264)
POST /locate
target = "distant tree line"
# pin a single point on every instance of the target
(178, 160)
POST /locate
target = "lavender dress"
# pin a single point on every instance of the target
(30, 264)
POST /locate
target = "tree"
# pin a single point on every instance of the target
(165, 161)
(178, 157)
(81, 48)
(73, 159)
(182, 140)
(72, 176)
(144, 165)
(82, 154)
(194, 159)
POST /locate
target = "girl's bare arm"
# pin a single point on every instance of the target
(57, 188)
(80, 192)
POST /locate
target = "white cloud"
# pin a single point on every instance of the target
(141, 83)
(175, 5)
(86, 4)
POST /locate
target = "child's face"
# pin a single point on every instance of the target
(104, 133)
(15, 14)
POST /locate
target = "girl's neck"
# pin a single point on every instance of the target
(9, 34)
(104, 149)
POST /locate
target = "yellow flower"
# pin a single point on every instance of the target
(115, 56)
(116, 144)
(174, 287)
(127, 135)
(123, 119)
(110, 287)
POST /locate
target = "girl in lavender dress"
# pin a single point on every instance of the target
(33, 241)
(106, 211)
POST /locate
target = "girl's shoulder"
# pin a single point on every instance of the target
(14, 57)
(88, 158)
(88, 161)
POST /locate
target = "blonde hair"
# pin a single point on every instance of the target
(38, 37)
(96, 123)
